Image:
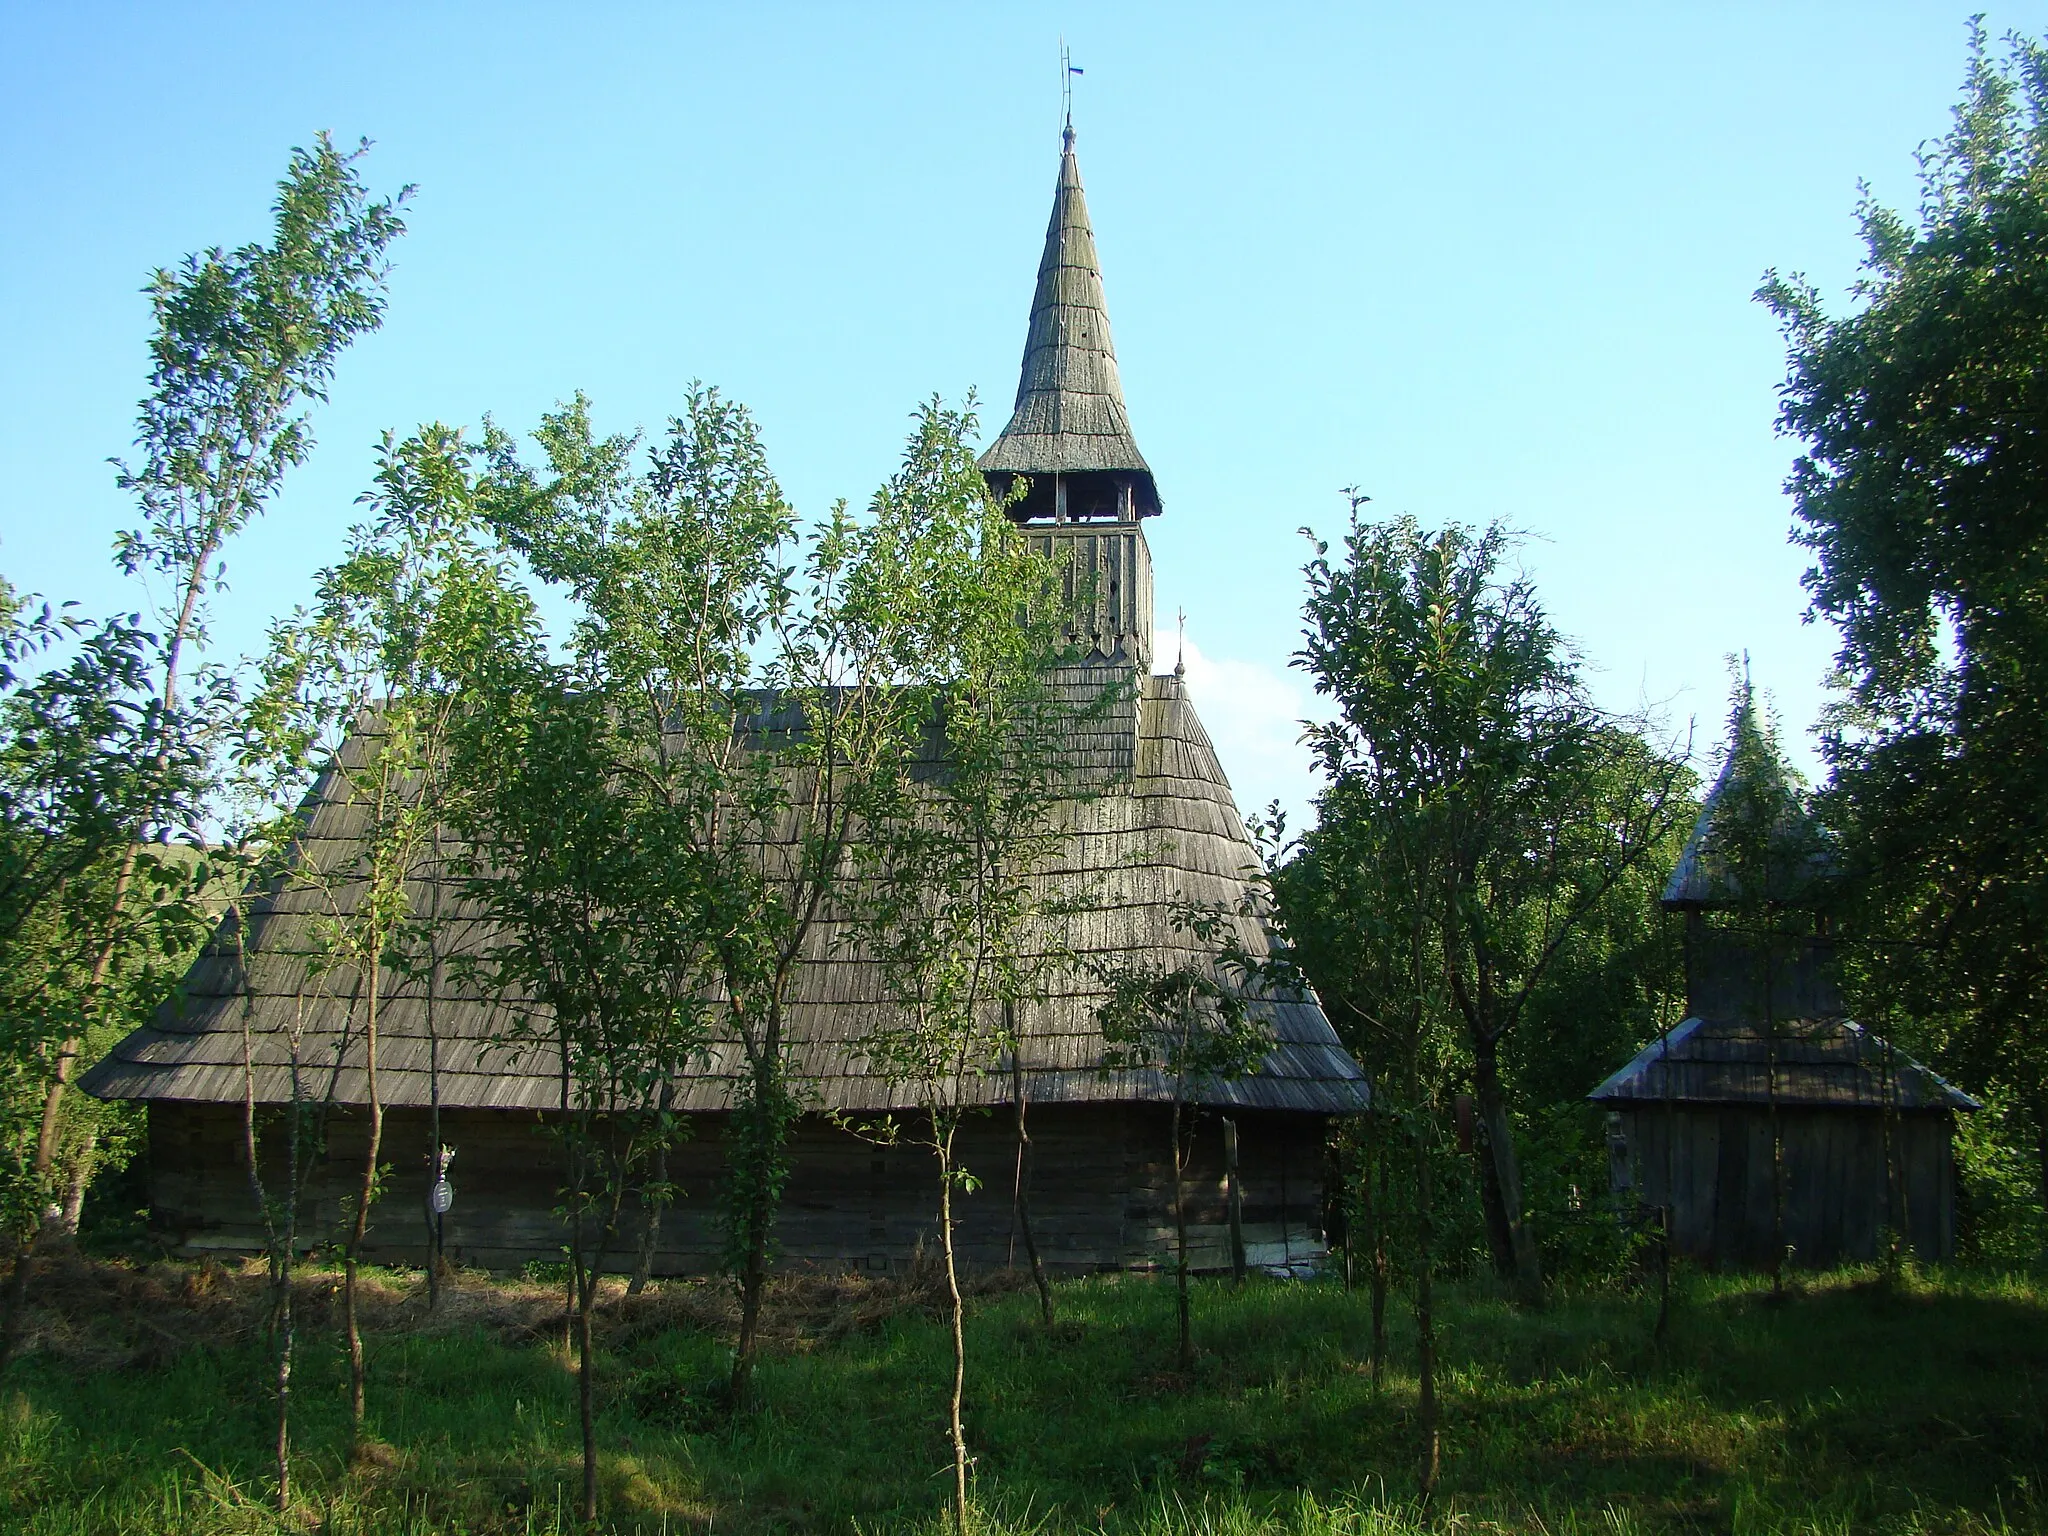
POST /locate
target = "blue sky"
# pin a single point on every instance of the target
(1480, 261)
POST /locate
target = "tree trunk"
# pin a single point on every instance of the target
(1667, 1212)
(72, 1207)
(53, 1101)
(1777, 1130)
(1493, 1209)
(650, 1231)
(1180, 1247)
(2041, 1149)
(586, 1400)
(281, 1447)
(1376, 1230)
(1663, 1273)
(284, 1310)
(762, 1124)
(1348, 1210)
(1235, 1197)
(436, 1169)
(67, 1053)
(1894, 1171)
(650, 1236)
(943, 1145)
(366, 1191)
(434, 1229)
(1903, 1239)
(14, 1322)
(1500, 1156)
(1021, 1196)
(753, 1274)
(1425, 1319)
(11, 1324)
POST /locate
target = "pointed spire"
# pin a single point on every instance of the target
(1756, 800)
(1070, 420)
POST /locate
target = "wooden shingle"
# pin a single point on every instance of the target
(1161, 831)
(1070, 417)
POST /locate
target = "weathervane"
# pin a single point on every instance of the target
(1180, 659)
(1068, 70)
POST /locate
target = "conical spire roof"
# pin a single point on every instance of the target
(1070, 416)
(1754, 786)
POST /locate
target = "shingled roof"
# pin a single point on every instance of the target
(1070, 416)
(1157, 832)
(1829, 1063)
(1703, 878)
(1165, 830)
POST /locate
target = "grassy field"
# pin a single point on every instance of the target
(1846, 1407)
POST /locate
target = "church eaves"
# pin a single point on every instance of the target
(1070, 421)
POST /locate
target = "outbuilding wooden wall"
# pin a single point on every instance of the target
(1101, 1191)
(1712, 1164)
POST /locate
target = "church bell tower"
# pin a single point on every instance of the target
(1089, 490)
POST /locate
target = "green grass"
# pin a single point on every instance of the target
(1846, 1408)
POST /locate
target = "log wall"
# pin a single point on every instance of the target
(1101, 1190)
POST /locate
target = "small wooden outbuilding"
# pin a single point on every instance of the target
(1768, 1121)
(1160, 829)
(1863, 1130)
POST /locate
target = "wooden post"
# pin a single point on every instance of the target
(1236, 1198)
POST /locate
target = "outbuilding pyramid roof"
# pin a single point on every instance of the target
(1813, 1063)
(1070, 416)
(1753, 782)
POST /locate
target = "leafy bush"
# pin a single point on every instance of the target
(1998, 1200)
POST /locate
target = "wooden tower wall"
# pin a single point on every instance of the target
(1733, 975)
(1712, 1164)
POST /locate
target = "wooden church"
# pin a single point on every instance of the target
(1768, 1122)
(1164, 830)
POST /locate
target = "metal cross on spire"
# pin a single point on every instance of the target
(1068, 69)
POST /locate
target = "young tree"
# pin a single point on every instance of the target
(771, 709)
(570, 864)
(357, 687)
(264, 855)
(946, 894)
(1358, 908)
(1920, 493)
(245, 341)
(1461, 710)
(583, 789)
(1189, 1024)
(82, 764)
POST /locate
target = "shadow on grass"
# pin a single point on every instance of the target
(1907, 1410)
